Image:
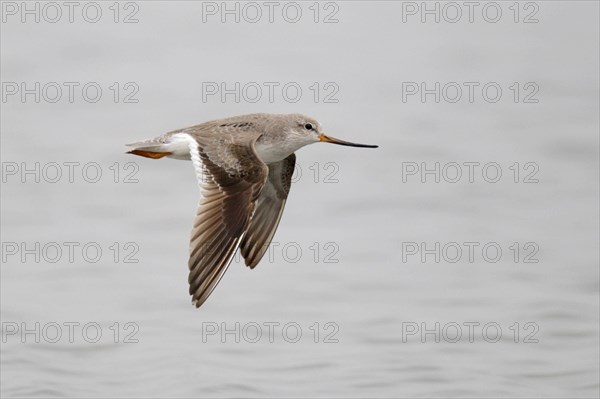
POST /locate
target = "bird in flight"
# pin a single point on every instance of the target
(244, 166)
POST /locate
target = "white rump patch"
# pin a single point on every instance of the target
(183, 144)
(179, 145)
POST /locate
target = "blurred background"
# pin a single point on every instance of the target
(353, 267)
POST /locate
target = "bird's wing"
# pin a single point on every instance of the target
(230, 176)
(268, 210)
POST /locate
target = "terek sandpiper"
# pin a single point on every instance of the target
(244, 166)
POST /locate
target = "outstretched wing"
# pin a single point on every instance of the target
(230, 176)
(268, 210)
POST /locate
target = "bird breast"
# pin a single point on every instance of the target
(270, 151)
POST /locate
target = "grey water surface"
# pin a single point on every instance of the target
(351, 300)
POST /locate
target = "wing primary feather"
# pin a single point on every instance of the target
(269, 209)
(230, 177)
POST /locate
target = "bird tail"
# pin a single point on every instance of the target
(173, 145)
(150, 149)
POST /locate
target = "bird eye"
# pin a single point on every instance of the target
(308, 126)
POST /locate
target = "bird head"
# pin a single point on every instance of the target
(307, 129)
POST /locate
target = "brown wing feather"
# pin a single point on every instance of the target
(231, 177)
(268, 211)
